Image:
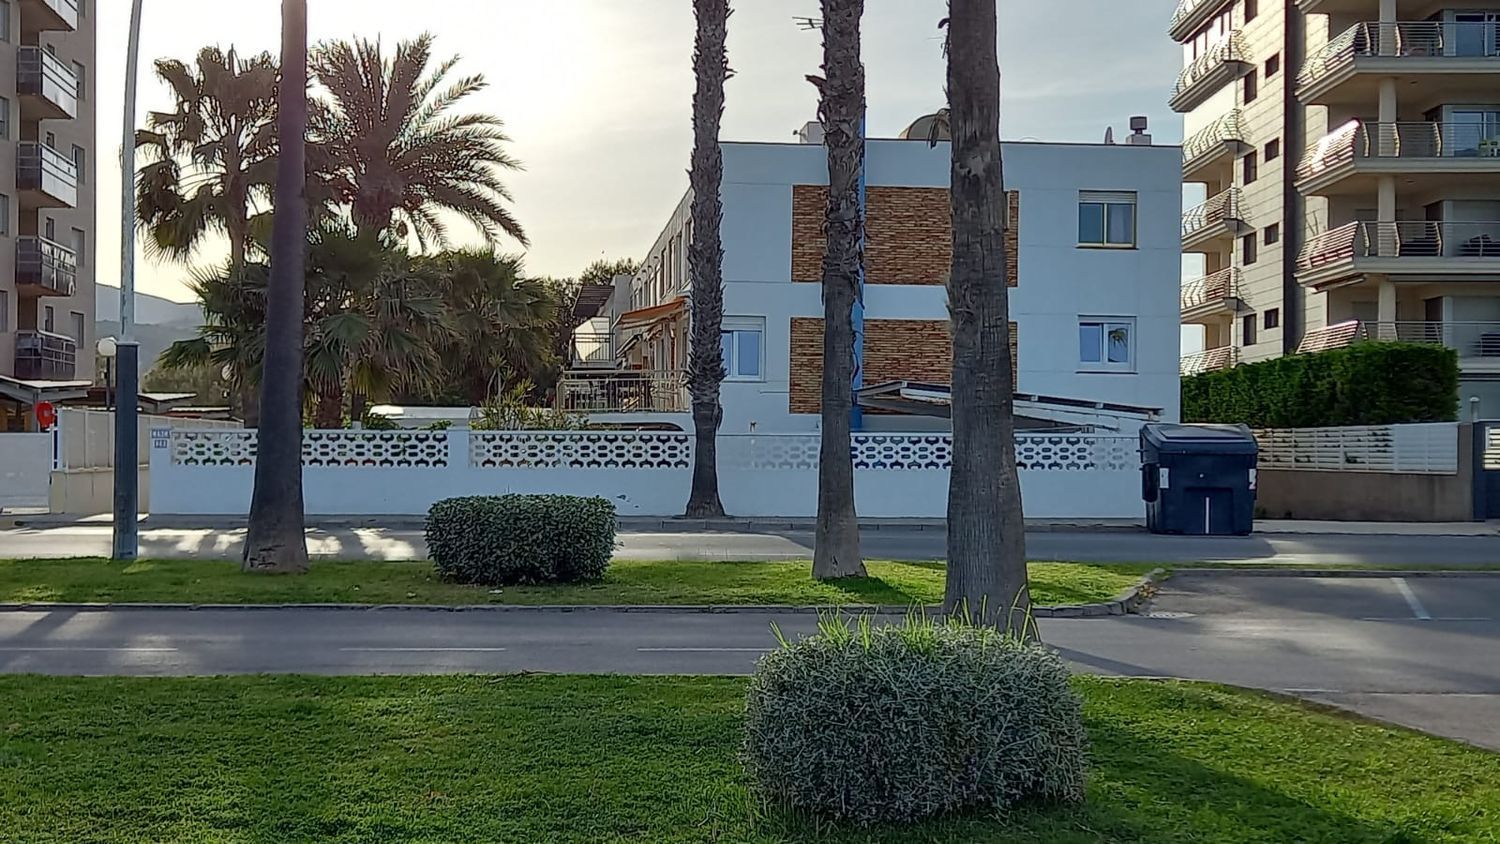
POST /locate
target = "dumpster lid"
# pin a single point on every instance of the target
(1200, 439)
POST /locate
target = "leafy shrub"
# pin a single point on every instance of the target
(879, 724)
(521, 539)
(1364, 384)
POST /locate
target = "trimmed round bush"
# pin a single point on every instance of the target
(514, 539)
(896, 724)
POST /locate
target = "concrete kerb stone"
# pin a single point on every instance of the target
(1247, 571)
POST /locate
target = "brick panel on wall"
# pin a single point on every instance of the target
(909, 238)
(895, 350)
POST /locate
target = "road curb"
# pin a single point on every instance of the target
(1328, 573)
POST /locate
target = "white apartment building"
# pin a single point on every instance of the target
(47, 188)
(1094, 295)
(1349, 152)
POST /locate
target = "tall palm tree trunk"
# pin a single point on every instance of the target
(706, 254)
(276, 541)
(836, 550)
(986, 531)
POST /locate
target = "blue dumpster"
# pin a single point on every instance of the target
(1198, 480)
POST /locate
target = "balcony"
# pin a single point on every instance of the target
(1454, 62)
(623, 391)
(1213, 226)
(1222, 64)
(45, 178)
(44, 356)
(592, 350)
(1216, 145)
(1213, 296)
(1477, 343)
(45, 268)
(48, 87)
(1350, 159)
(1409, 250)
(1209, 360)
(1191, 14)
(48, 16)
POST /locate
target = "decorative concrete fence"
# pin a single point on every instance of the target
(645, 474)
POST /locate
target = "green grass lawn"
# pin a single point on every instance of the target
(190, 581)
(574, 759)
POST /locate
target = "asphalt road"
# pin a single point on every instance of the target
(1420, 651)
(353, 543)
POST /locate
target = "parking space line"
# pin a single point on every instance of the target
(1411, 599)
(422, 650)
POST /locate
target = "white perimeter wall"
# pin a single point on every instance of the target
(25, 469)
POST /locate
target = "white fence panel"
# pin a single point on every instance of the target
(25, 470)
(645, 474)
(87, 437)
(1430, 448)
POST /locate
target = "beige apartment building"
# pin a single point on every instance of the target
(47, 183)
(1349, 153)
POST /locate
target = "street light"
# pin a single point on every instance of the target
(127, 425)
(107, 349)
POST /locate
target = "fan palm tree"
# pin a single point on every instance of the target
(276, 540)
(388, 144)
(842, 109)
(986, 531)
(232, 338)
(210, 162)
(706, 254)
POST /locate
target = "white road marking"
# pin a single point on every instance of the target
(704, 650)
(1411, 599)
(88, 650)
(422, 650)
(1440, 618)
(1312, 691)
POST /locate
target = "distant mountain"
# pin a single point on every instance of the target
(149, 310)
(153, 339)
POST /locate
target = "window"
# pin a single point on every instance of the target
(81, 74)
(1273, 149)
(1251, 166)
(744, 348)
(1251, 10)
(4, 119)
(1106, 218)
(1247, 249)
(80, 161)
(1247, 330)
(1272, 318)
(4, 311)
(4, 214)
(49, 229)
(1273, 65)
(1272, 234)
(47, 318)
(1106, 344)
(80, 240)
(77, 324)
(1252, 87)
(51, 140)
(4, 20)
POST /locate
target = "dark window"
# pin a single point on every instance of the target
(1248, 249)
(1247, 330)
(1251, 165)
(1273, 65)
(1273, 318)
(1273, 233)
(1252, 86)
(1273, 149)
(1250, 10)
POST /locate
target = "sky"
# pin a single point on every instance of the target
(597, 94)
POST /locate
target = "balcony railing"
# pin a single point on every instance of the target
(1213, 139)
(45, 176)
(592, 350)
(623, 391)
(1401, 240)
(1211, 289)
(1472, 340)
(48, 88)
(43, 264)
(1210, 360)
(44, 356)
(1414, 140)
(1401, 40)
(1194, 84)
(1191, 14)
(1221, 209)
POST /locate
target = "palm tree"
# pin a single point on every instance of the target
(842, 109)
(210, 162)
(986, 531)
(388, 144)
(706, 254)
(276, 541)
(232, 339)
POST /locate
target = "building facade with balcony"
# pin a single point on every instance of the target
(1350, 151)
(47, 204)
(1094, 298)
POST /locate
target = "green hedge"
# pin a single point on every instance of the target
(508, 539)
(1364, 384)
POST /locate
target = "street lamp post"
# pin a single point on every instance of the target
(107, 348)
(127, 370)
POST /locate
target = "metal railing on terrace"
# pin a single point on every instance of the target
(592, 349)
(1399, 240)
(1209, 360)
(1402, 39)
(1189, 14)
(1471, 340)
(1231, 49)
(44, 356)
(1229, 128)
(1410, 140)
(1212, 288)
(1221, 208)
(623, 391)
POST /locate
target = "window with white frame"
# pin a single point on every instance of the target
(1106, 344)
(743, 342)
(1106, 219)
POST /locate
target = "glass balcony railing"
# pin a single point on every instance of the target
(48, 87)
(47, 266)
(44, 356)
(45, 177)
